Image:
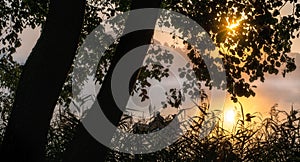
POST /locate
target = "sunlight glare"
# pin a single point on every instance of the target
(229, 116)
(233, 25)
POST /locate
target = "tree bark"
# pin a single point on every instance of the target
(84, 147)
(41, 82)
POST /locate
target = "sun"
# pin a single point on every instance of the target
(233, 26)
(229, 116)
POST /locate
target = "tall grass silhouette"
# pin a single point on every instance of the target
(253, 138)
(275, 137)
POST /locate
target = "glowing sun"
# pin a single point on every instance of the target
(229, 116)
(234, 24)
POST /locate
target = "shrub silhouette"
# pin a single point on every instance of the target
(273, 138)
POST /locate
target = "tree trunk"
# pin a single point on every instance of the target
(84, 147)
(41, 82)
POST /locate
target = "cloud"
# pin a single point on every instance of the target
(276, 89)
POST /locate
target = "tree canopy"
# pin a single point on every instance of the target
(253, 38)
(259, 43)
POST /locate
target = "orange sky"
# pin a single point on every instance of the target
(275, 89)
(284, 91)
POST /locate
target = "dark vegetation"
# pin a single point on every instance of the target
(259, 45)
(275, 137)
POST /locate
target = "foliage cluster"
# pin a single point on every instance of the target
(274, 138)
(259, 45)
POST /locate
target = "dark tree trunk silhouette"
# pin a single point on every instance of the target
(84, 147)
(41, 82)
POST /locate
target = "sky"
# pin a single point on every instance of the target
(276, 89)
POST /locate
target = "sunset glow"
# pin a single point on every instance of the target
(229, 116)
(233, 26)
